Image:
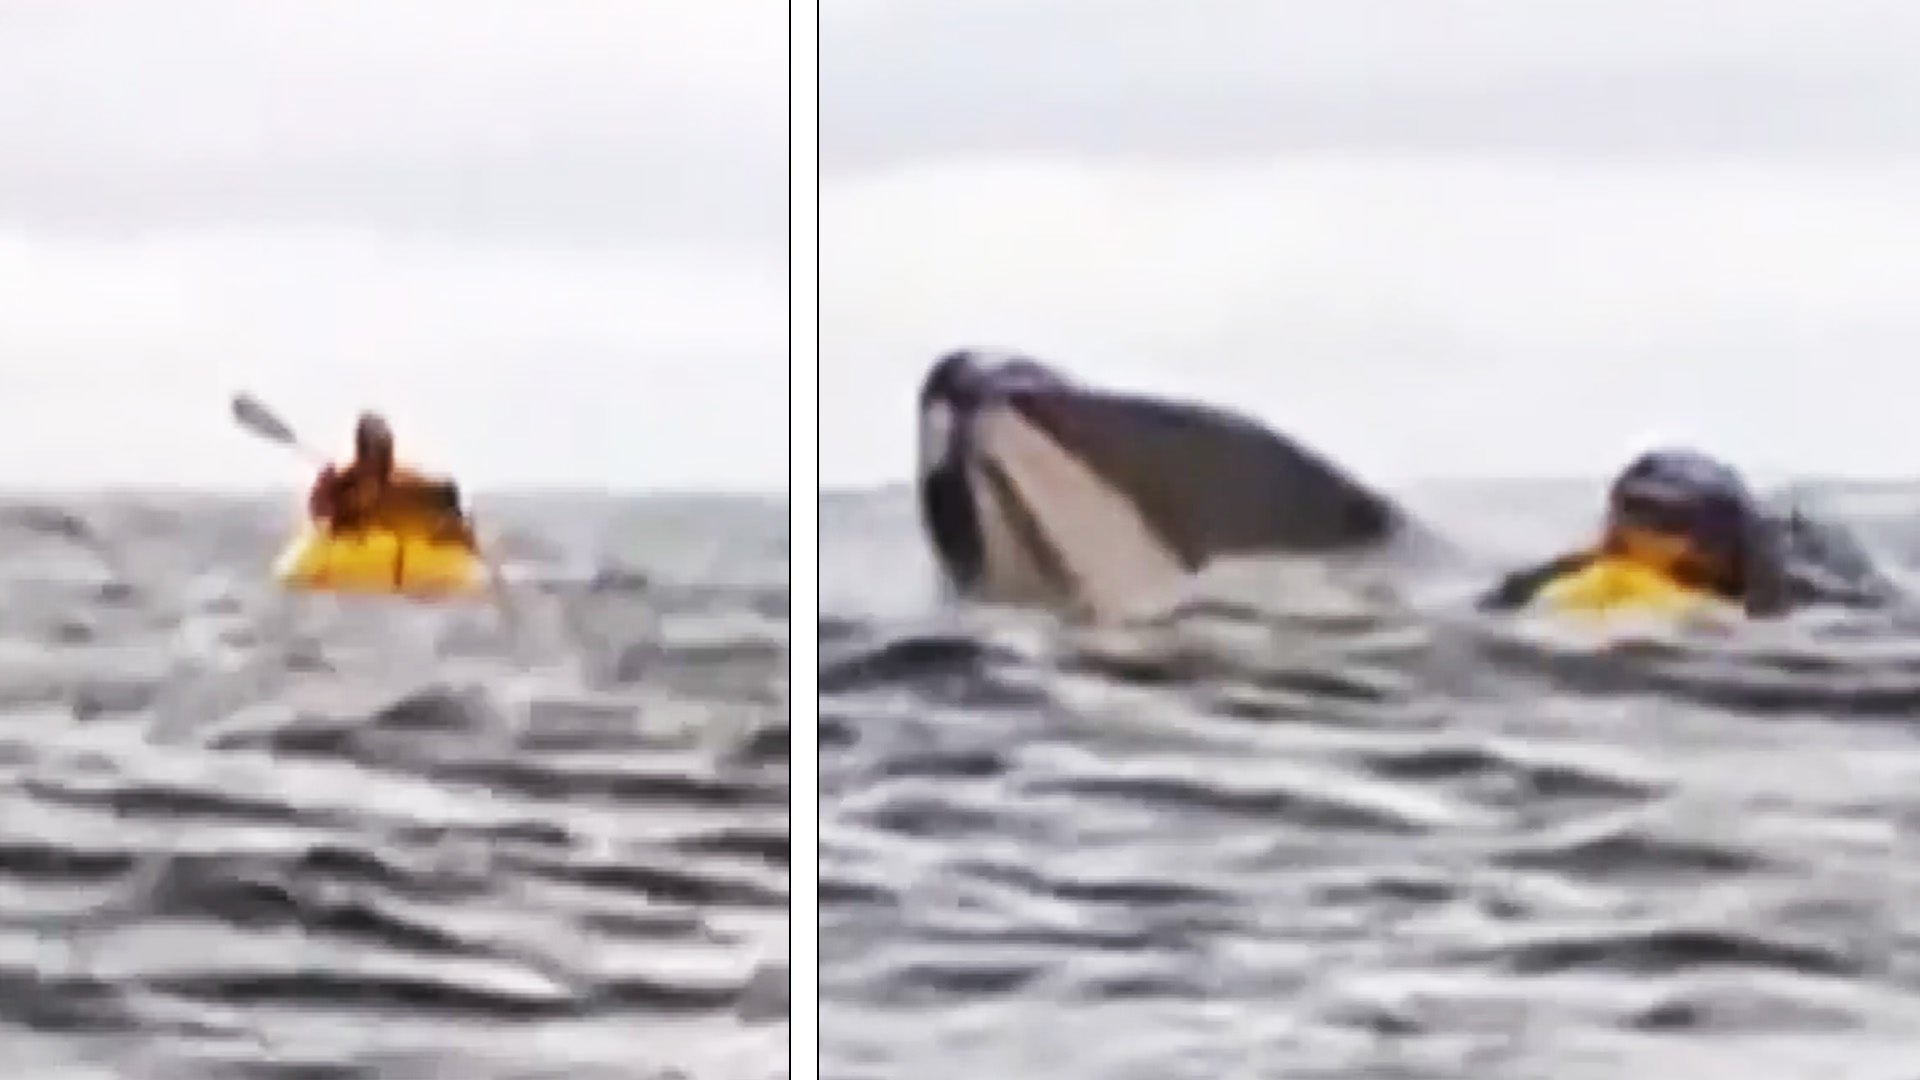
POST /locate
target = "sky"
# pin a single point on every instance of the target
(547, 239)
(1469, 239)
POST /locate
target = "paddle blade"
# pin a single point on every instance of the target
(260, 420)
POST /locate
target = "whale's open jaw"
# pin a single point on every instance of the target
(1056, 533)
(1036, 489)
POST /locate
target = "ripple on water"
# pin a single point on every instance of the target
(1364, 844)
(256, 836)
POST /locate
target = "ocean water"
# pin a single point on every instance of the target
(244, 834)
(1336, 825)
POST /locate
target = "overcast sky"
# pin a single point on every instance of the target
(1435, 238)
(548, 238)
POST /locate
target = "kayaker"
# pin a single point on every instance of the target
(1692, 519)
(375, 490)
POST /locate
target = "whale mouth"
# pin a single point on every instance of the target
(1056, 533)
(1038, 489)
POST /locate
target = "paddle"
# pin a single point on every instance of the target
(253, 414)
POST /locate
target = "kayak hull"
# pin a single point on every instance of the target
(379, 563)
(1610, 586)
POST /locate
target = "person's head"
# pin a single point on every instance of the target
(1682, 513)
(373, 442)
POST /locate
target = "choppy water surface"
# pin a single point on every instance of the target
(248, 835)
(1328, 833)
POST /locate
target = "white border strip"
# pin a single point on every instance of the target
(803, 501)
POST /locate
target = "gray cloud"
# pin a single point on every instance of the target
(1471, 237)
(1244, 78)
(565, 120)
(547, 237)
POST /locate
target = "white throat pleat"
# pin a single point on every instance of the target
(1116, 563)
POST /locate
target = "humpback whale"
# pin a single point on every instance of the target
(1038, 489)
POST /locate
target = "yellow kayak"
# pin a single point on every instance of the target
(1607, 586)
(379, 562)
